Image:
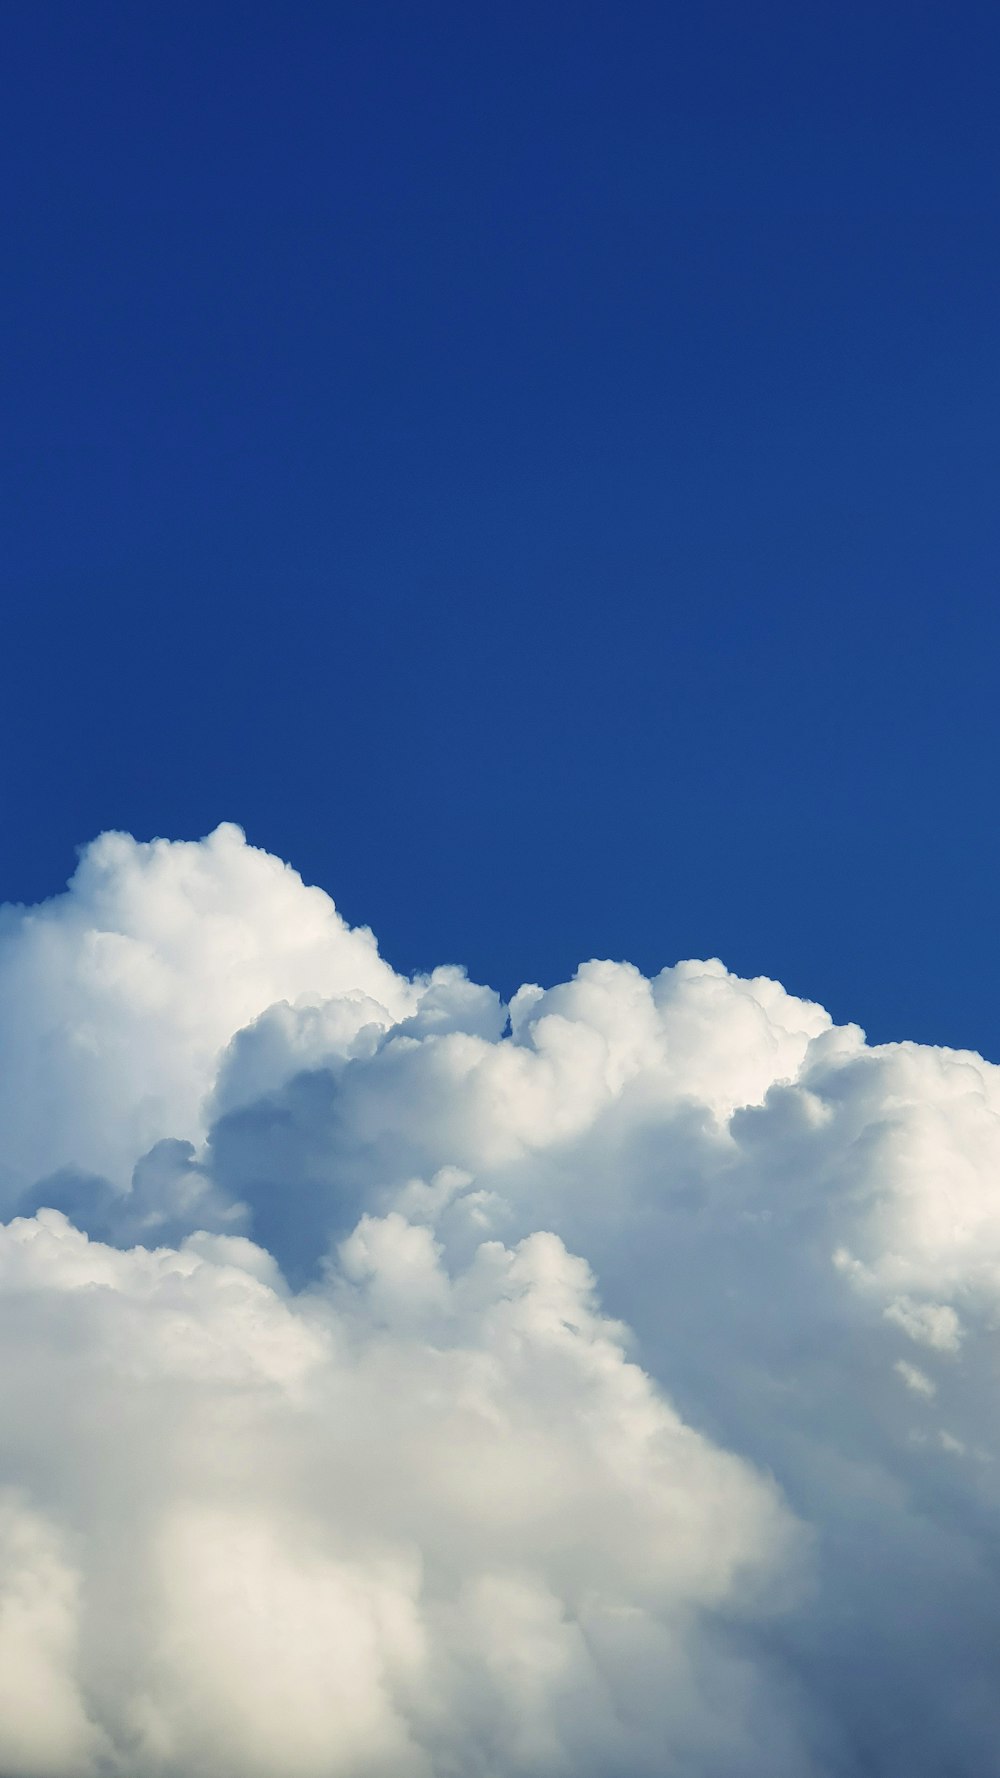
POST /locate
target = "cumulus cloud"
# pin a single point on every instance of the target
(119, 994)
(398, 1383)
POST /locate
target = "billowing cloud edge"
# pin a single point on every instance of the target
(400, 1382)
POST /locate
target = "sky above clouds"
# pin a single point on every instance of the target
(538, 474)
(395, 1381)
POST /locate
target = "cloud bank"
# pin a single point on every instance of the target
(397, 1384)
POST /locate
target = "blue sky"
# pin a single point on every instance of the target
(535, 469)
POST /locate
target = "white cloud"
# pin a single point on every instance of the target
(345, 1468)
(929, 1324)
(44, 1726)
(915, 1378)
(119, 995)
(354, 1530)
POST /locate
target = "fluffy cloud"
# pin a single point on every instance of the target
(119, 995)
(396, 1383)
(407, 1522)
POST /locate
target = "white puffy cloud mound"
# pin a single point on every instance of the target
(119, 995)
(398, 1385)
(407, 1523)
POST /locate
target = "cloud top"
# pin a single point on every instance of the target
(399, 1384)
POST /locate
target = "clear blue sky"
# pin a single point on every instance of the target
(535, 467)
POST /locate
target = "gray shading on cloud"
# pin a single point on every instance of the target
(397, 1384)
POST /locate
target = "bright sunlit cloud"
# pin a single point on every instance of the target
(397, 1384)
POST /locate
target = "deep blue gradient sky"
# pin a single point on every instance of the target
(535, 467)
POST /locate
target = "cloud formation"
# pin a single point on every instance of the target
(400, 1385)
